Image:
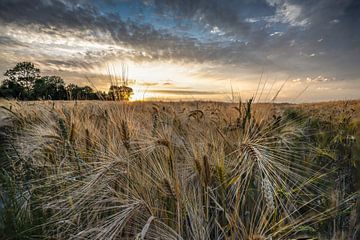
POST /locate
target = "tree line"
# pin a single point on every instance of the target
(24, 82)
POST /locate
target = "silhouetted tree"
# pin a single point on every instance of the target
(24, 82)
(101, 95)
(20, 80)
(120, 93)
(71, 91)
(119, 89)
(49, 87)
(86, 92)
(11, 89)
(81, 93)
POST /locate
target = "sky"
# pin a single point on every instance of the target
(192, 49)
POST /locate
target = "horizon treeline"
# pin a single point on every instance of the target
(24, 82)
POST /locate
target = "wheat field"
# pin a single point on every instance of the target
(185, 170)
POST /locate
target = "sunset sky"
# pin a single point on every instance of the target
(191, 49)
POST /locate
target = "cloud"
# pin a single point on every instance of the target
(159, 83)
(214, 13)
(64, 19)
(241, 41)
(9, 42)
(287, 12)
(320, 79)
(183, 92)
(286, 37)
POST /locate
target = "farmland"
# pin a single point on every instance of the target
(179, 170)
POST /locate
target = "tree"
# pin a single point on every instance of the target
(81, 93)
(11, 89)
(71, 90)
(49, 87)
(120, 93)
(86, 92)
(24, 74)
(119, 90)
(24, 83)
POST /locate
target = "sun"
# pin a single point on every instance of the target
(138, 94)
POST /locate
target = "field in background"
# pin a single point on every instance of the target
(183, 170)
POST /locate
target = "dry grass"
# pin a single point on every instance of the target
(107, 170)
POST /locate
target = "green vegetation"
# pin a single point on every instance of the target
(105, 170)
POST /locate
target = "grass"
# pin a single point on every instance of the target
(197, 170)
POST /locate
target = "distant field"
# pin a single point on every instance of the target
(182, 170)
